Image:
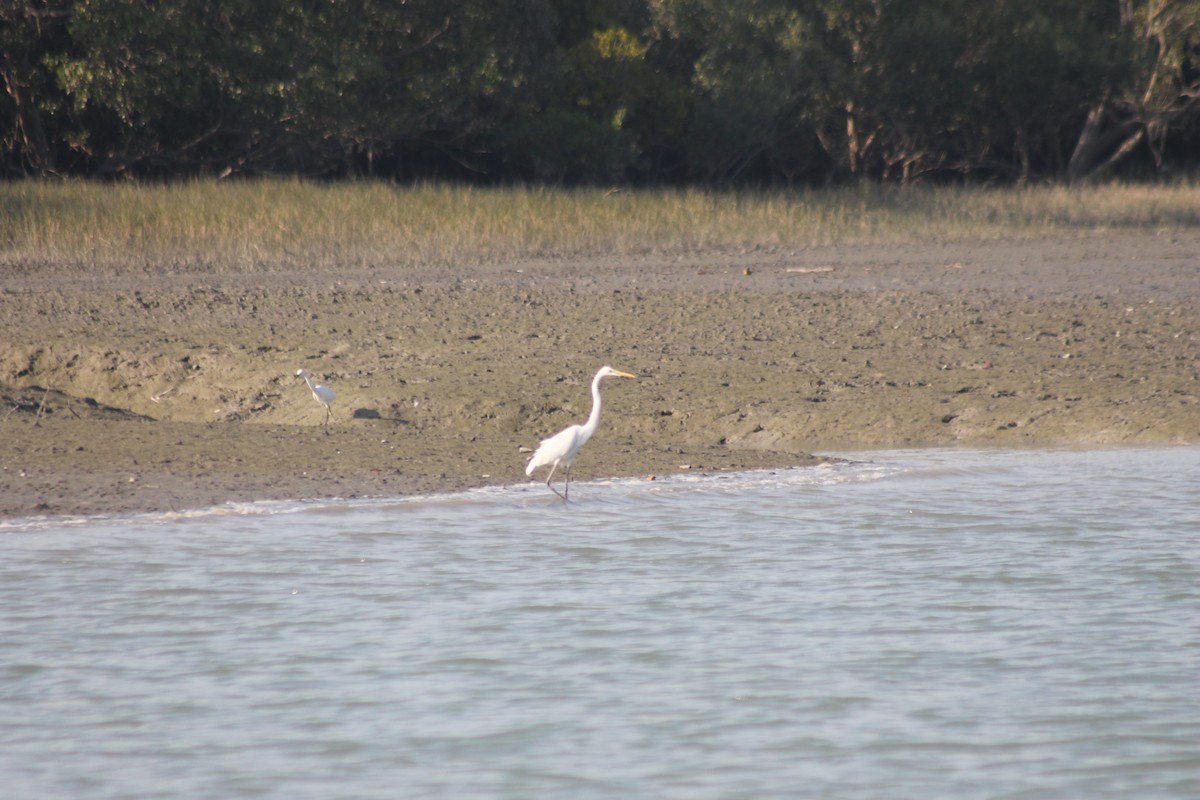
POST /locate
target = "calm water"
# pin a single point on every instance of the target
(934, 624)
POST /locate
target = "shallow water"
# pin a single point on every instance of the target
(961, 624)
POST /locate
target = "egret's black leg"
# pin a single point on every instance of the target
(550, 477)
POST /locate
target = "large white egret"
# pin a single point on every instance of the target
(561, 448)
(320, 392)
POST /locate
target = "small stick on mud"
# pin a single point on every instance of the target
(37, 423)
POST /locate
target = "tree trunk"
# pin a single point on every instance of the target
(30, 134)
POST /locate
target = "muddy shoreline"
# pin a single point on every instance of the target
(129, 390)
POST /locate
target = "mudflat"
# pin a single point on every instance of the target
(134, 389)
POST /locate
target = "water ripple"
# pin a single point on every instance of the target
(908, 624)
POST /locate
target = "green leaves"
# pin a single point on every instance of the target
(599, 90)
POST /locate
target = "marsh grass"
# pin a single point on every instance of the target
(274, 224)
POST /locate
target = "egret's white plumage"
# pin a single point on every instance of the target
(320, 392)
(560, 449)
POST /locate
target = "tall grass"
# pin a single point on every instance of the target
(276, 224)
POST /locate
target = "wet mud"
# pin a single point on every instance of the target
(128, 390)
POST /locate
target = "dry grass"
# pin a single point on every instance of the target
(271, 224)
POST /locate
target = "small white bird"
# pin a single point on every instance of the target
(320, 392)
(561, 448)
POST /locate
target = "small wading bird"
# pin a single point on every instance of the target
(321, 393)
(561, 448)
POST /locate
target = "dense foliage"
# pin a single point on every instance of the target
(640, 91)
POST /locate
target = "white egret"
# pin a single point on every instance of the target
(561, 448)
(320, 392)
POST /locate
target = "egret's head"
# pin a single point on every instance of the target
(609, 372)
(301, 373)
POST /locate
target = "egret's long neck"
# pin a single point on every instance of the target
(309, 381)
(593, 419)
